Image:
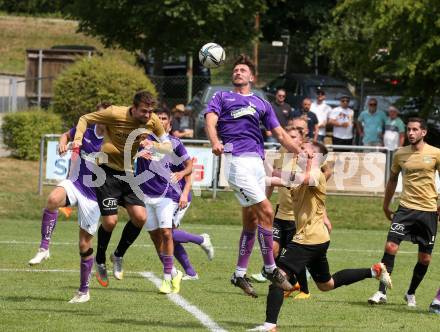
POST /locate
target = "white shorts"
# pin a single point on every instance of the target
(88, 210)
(162, 212)
(247, 177)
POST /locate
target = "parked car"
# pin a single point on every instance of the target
(300, 86)
(201, 100)
(170, 79)
(410, 107)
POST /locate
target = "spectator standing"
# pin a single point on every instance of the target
(310, 117)
(322, 111)
(283, 111)
(341, 118)
(371, 123)
(181, 123)
(394, 136)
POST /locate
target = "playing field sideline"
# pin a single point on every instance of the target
(38, 301)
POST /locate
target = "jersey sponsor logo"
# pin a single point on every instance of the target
(397, 228)
(87, 140)
(110, 202)
(427, 159)
(243, 111)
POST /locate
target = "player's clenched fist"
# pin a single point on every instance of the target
(217, 149)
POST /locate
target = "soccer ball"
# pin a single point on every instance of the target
(212, 55)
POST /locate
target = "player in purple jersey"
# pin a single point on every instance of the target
(235, 117)
(167, 197)
(76, 190)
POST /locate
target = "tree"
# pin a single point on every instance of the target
(167, 27)
(302, 19)
(388, 38)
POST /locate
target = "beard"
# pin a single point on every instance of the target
(417, 141)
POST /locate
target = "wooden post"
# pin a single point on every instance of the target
(257, 31)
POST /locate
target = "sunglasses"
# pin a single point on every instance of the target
(281, 96)
(372, 104)
(320, 93)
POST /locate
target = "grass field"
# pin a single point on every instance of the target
(35, 299)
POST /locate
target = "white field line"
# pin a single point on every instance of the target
(374, 251)
(203, 318)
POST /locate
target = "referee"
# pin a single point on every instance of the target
(121, 124)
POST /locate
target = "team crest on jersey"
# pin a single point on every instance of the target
(243, 111)
(427, 159)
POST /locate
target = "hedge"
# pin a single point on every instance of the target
(93, 80)
(22, 131)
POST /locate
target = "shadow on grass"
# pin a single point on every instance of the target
(161, 324)
(31, 298)
(74, 311)
(399, 308)
(283, 327)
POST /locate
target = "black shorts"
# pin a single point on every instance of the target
(283, 231)
(115, 192)
(296, 257)
(416, 226)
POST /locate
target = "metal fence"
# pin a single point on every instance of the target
(363, 171)
(17, 93)
(12, 94)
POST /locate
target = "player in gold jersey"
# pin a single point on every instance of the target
(309, 245)
(416, 218)
(124, 128)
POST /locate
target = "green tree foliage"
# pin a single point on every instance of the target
(167, 27)
(302, 19)
(32, 6)
(22, 131)
(397, 38)
(88, 82)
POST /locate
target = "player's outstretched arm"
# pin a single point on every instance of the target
(211, 131)
(285, 140)
(390, 189)
(104, 117)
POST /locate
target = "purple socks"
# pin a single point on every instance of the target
(247, 240)
(265, 238)
(183, 259)
(167, 265)
(184, 237)
(48, 223)
(438, 295)
(85, 273)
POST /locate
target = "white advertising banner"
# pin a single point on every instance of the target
(57, 167)
(203, 165)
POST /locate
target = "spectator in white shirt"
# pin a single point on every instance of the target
(341, 118)
(322, 111)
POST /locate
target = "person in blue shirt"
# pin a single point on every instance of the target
(371, 124)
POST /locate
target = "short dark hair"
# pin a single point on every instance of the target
(244, 59)
(421, 121)
(104, 105)
(322, 148)
(163, 111)
(144, 97)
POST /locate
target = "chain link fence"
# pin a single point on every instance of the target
(17, 93)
